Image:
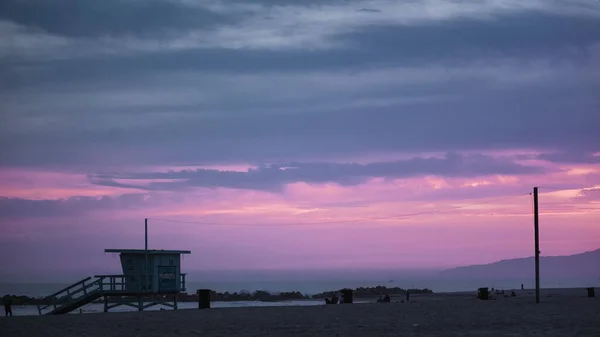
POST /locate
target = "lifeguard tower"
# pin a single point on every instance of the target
(153, 271)
(150, 277)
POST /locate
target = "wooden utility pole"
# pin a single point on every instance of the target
(536, 223)
(146, 253)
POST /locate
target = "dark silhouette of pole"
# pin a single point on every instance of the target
(146, 252)
(536, 219)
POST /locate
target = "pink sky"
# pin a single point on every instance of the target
(480, 219)
(288, 135)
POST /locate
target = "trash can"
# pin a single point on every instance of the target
(591, 292)
(203, 298)
(346, 295)
(483, 294)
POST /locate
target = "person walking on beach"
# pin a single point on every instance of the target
(7, 305)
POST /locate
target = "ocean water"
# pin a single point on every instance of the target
(305, 287)
(310, 287)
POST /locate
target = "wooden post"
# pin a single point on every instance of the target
(146, 253)
(536, 220)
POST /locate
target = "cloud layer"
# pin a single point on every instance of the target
(211, 82)
(275, 176)
(274, 113)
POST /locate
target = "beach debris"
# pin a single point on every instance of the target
(591, 292)
(483, 293)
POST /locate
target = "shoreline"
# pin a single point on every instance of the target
(567, 312)
(259, 295)
(522, 296)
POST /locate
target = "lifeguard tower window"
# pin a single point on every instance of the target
(167, 279)
(130, 266)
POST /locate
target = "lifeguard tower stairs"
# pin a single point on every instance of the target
(150, 277)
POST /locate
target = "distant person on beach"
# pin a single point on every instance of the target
(7, 305)
(384, 299)
(522, 286)
(334, 299)
(407, 296)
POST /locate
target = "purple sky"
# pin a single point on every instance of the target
(289, 135)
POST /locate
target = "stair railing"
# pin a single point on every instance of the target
(67, 294)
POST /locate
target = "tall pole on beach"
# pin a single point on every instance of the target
(536, 223)
(146, 252)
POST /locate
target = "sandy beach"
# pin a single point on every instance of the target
(564, 313)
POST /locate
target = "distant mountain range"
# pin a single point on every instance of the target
(584, 265)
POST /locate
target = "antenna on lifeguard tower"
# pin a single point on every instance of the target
(146, 251)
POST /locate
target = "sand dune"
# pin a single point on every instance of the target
(565, 313)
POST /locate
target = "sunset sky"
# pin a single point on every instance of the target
(279, 134)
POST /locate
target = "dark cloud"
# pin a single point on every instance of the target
(571, 157)
(242, 93)
(524, 34)
(370, 10)
(451, 42)
(584, 181)
(109, 17)
(11, 208)
(273, 177)
(589, 195)
(532, 119)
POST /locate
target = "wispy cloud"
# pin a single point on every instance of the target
(571, 157)
(589, 194)
(211, 90)
(261, 26)
(15, 208)
(22, 41)
(274, 177)
(319, 26)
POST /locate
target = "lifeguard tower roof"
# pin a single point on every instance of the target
(150, 251)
